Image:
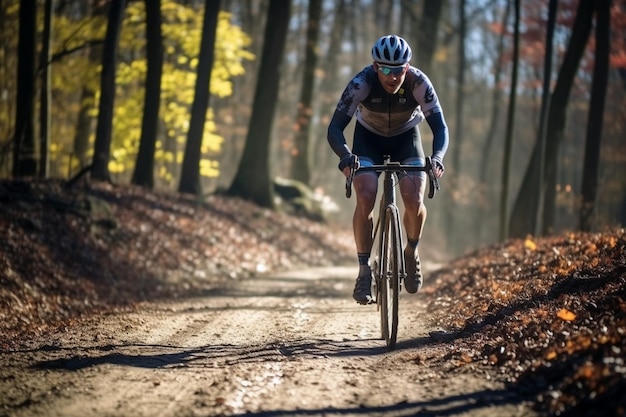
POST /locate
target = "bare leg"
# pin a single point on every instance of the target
(365, 186)
(412, 190)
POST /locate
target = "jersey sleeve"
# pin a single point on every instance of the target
(425, 94)
(354, 93)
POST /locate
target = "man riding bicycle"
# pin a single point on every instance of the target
(390, 98)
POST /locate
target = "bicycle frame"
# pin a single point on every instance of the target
(389, 268)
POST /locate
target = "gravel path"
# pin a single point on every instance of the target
(294, 344)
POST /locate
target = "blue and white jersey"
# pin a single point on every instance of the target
(389, 114)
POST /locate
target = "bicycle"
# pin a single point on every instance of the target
(389, 269)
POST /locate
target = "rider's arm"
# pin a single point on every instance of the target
(424, 93)
(336, 139)
(356, 90)
(438, 125)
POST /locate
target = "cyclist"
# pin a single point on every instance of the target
(390, 98)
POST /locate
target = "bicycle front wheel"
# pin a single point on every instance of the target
(389, 288)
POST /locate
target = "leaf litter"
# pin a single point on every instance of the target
(548, 316)
(545, 315)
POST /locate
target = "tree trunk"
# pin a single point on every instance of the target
(253, 179)
(45, 95)
(455, 172)
(144, 167)
(83, 125)
(510, 124)
(190, 174)
(545, 105)
(521, 223)
(487, 165)
(24, 160)
(427, 34)
(460, 93)
(252, 16)
(80, 146)
(301, 164)
(327, 92)
(102, 146)
(596, 113)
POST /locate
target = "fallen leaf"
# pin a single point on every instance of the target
(566, 315)
(551, 355)
(529, 244)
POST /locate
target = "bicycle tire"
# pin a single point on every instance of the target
(389, 283)
(381, 292)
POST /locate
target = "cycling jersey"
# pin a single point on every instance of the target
(382, 113)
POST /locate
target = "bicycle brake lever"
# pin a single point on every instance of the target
(349, 179)
(433, 184)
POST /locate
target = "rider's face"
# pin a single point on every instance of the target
(391, 77)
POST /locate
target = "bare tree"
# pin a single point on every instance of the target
(253, 179)
(252, 17)
(190, 175)
(487, 165)
(301, 164)
(144, 167)
(596, 112)
(46, 94)
(427, 31)
(457, 149)
(102, 146)
(87, 99)
(510, 123)
(545, 104)
(526, 202)
(24, 161)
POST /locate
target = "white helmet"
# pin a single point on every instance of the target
(391, 50)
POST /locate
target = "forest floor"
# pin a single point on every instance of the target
(543, 318)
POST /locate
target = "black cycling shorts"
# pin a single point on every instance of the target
(372, 148)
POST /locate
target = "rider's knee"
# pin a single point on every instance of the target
(413, 201)
(365, 189)
(366, 199)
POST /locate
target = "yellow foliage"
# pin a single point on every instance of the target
(211, 143)
(76, 80)
(209, 168)
(116, 167)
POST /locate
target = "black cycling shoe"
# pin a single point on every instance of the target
(413, 281)
(362, 293)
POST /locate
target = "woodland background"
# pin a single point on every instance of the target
(206, 97)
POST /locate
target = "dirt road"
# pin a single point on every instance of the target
(291, 345)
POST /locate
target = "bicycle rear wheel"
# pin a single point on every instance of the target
(389, 278)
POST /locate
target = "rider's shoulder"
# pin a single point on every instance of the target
(416, 72)
(366, 75)
(417, 76)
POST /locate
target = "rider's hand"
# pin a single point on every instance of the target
(438, 168)
(348, 162)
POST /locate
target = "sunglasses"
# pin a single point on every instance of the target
(386, 70)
